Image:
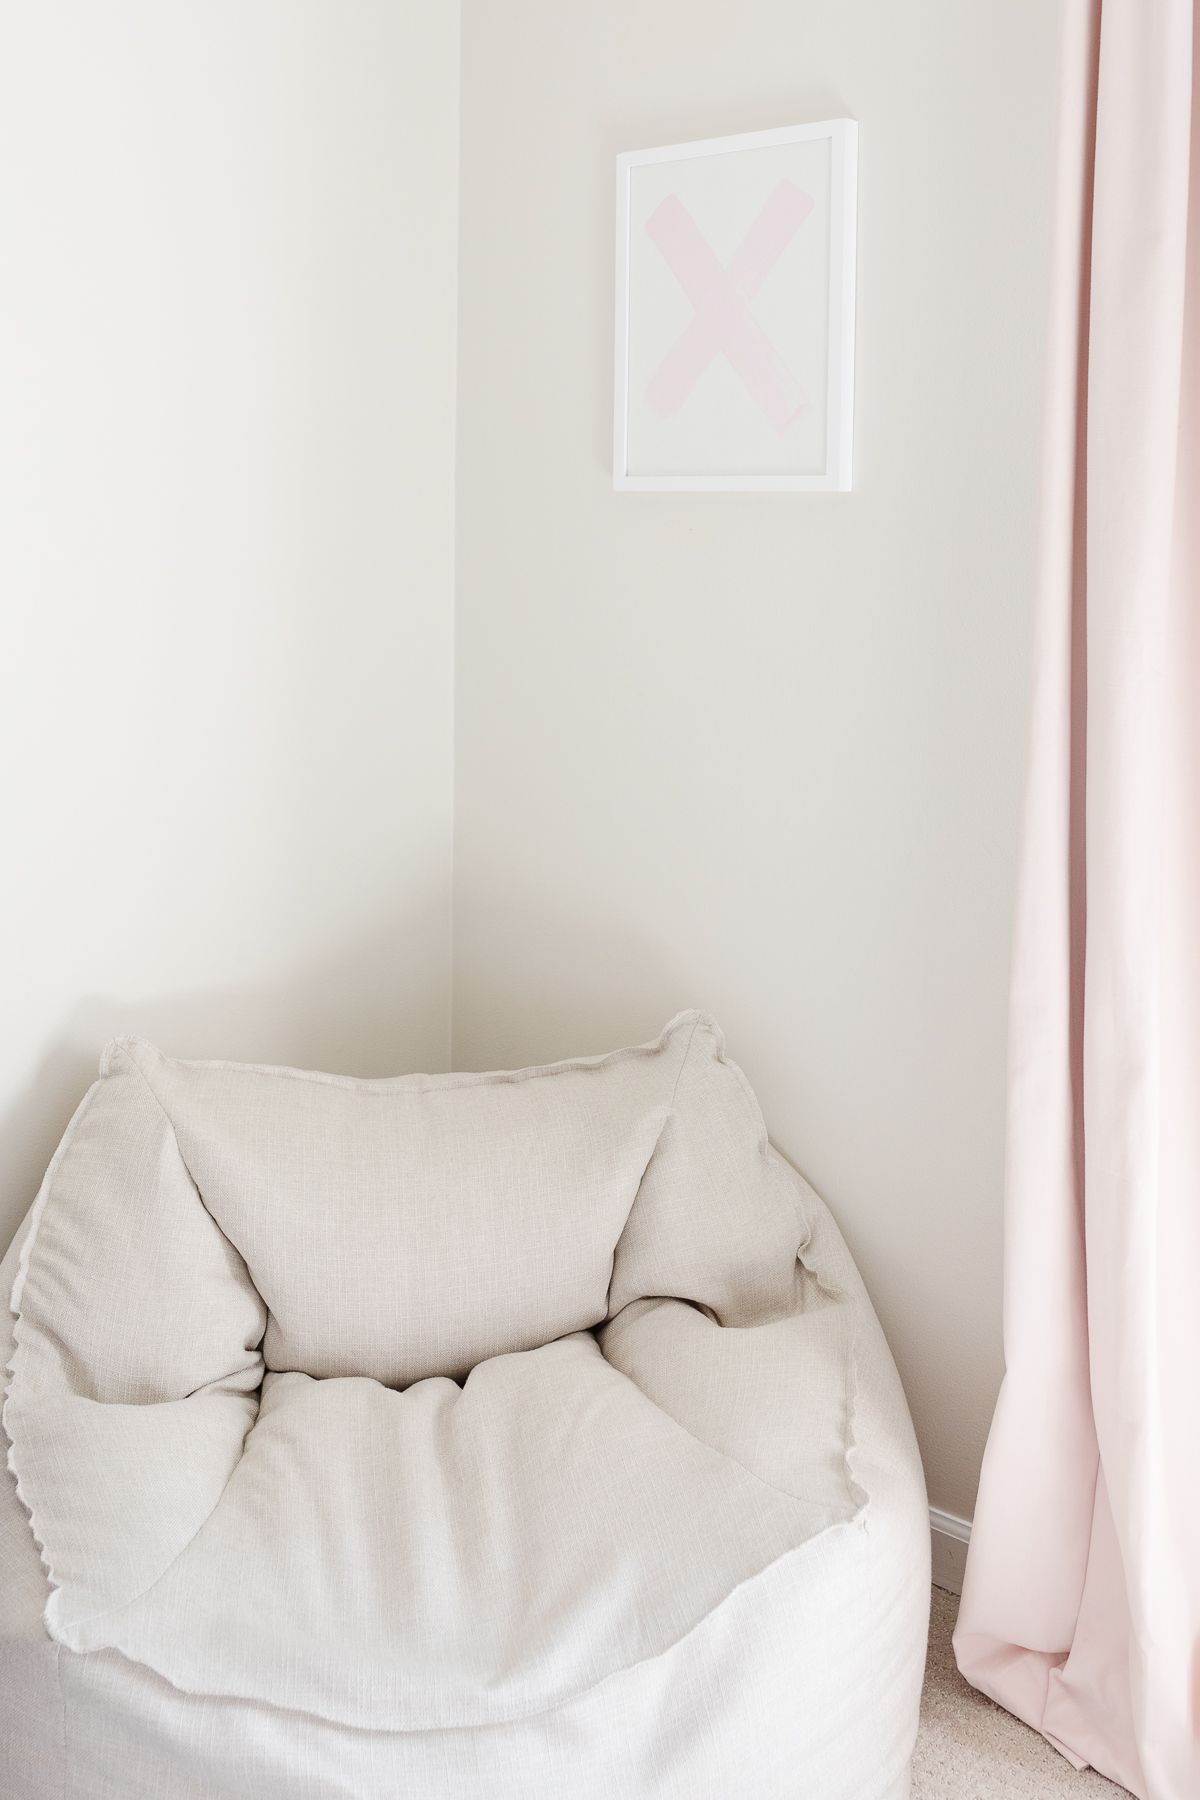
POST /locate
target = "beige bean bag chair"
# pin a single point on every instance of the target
(513, 1437)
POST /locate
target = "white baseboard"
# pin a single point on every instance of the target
(949, 1537)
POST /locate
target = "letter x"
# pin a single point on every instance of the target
(721, 297)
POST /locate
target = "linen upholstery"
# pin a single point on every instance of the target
(676, 1545)
(413, 1227)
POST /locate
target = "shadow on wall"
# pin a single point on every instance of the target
(603, 981)
(600, 982)
(379, 1008)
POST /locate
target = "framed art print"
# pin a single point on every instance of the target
(735, 312)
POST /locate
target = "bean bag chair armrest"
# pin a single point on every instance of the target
(760, 1393)
(135, 1367)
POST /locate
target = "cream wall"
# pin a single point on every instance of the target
(760, 753)
(227, 291)
(754, 752)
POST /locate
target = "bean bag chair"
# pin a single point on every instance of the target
(500, 1436)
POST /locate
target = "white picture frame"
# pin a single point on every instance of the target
(735, 279)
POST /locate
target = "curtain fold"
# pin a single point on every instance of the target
(1081, 1605)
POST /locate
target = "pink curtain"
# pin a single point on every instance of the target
(1081, 1608)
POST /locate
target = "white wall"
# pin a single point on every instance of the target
(755, 752)
(227, 291)
(763, 753)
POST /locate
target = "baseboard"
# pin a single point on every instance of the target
(949, 1537)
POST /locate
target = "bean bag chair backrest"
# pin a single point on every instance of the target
(407, 1227)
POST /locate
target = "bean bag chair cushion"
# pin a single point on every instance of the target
(522, 1434)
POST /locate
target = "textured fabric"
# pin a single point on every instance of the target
(1081, 1605)
(686, 1553)
(416, 1226)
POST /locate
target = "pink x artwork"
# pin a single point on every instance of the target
(721, 295)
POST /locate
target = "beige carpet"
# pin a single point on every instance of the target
(969, 1749)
